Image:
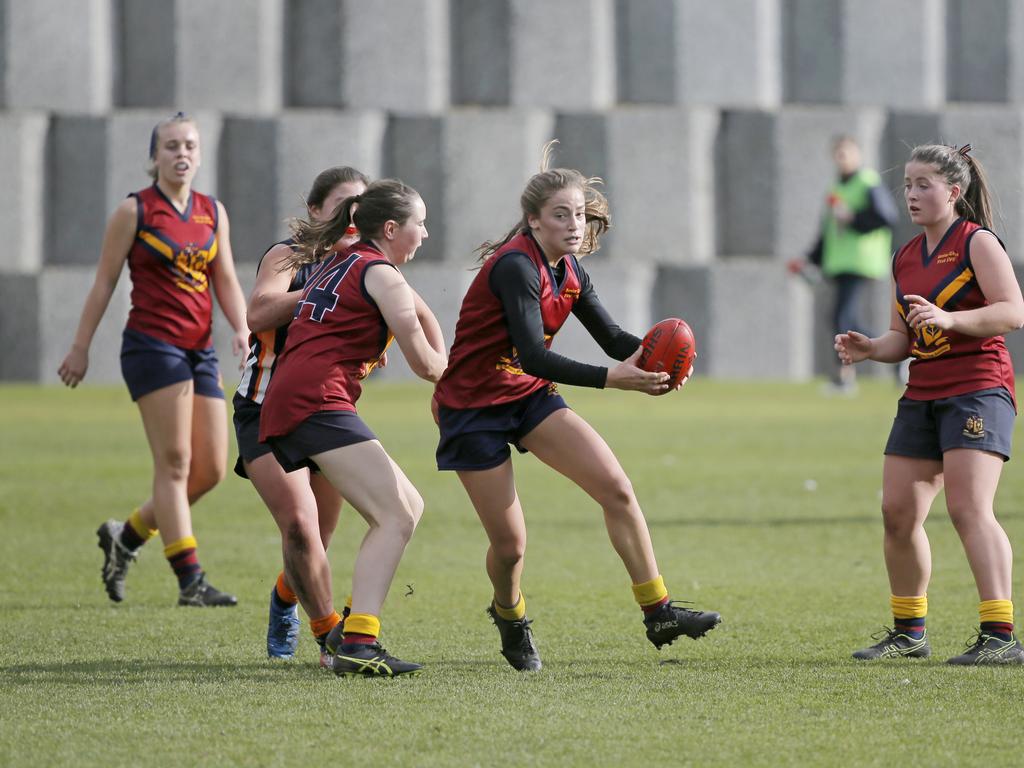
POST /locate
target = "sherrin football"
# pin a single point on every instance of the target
(669, 346)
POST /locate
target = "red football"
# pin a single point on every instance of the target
(669, 346)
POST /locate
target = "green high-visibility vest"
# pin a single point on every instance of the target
(846, 251)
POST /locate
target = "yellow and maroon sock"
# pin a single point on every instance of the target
(996, 618)
(651, 595)
(909, 614)
(135, 533)
(284, 593)
(361, 629)
(515, 613)
(181, 554)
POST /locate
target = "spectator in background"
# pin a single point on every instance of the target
(855, 244)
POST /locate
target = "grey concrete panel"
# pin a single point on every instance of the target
(57, 55)
(19, 327)
(996, 132)
(980, 50)
(23, 137)
(646, 43)
(415, 153)
(312, 56)
(874, 311)
(625, 291)
(269, 165)
(760, 322)
(222, 331)
(812, 51)
(774, 169)
(413, 37)
(488, 157)
(893, 52)
(109, 157)
(563, 54)
(744, 33)
(223, 56)
(658, 166)
(481, 50)
(62, 292)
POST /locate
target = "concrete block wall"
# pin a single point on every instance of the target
(711, 124)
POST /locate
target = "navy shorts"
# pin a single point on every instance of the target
(926, 429)
(247, 432)
(321, 432)
(148, 364)
(478, 438)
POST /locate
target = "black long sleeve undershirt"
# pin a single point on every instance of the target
(516, 282)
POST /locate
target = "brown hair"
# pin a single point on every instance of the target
(539, 190)
(154, 138)
(327, 180)
(957, 166)
(384, 200)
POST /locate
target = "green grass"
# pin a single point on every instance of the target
(721, 470)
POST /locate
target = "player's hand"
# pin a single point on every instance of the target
(683, 380)
(239, 345)
(383, 360)
(852, 347)
(75, 364)
(923, 312)
(626, 375)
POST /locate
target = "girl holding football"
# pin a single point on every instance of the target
(954, 296)
(176, 242)
(500, 389)
(304, 505)
(355, 301)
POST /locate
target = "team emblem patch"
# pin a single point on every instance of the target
(974, 427)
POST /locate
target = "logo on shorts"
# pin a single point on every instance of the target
(552, 388)
(974, 427)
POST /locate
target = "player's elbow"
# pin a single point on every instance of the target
(430, 367)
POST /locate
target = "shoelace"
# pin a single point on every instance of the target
(677, 605)
(884, 634)
(526, 639)
(979, 639)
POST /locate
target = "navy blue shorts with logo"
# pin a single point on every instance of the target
(478, 438)
(925, 429)
(323, 431)
(148, 364)
(247, 432)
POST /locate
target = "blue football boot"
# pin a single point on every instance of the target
(282, 629)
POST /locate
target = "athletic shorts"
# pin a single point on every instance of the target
(247, 432)
(148, 364)
(479, 438)
(321, 432)
(926, 429)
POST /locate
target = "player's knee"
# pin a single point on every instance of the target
(203, 479)
(617, 493)
(299, 537)
(173, 463)
(510, 551)
(898, 521)
(966, 517)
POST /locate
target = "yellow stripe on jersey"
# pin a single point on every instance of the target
(157, 244)
(948, 292)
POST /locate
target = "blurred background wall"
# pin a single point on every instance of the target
(711, 122)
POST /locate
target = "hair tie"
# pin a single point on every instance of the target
(964, 151)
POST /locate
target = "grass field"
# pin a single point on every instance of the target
(763, 503)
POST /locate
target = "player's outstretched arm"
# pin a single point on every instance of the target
(271, 304)
(397, 304)
(117, 241)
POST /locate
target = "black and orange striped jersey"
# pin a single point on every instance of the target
(170, 263)
(335, 340)
(484, 367)
(948, 363)
(265, 346)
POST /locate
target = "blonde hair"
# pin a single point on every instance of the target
(958, 167)
(539, 190)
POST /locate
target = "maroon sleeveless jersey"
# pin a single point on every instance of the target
(483, 366)
(170, 264)
(336, 338)
(948, 363)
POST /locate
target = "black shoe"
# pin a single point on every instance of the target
(893, 644)
(202, 593)
(116, 558)
(516, 642)
(370, 660)
(986, 648)
(672, 620)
